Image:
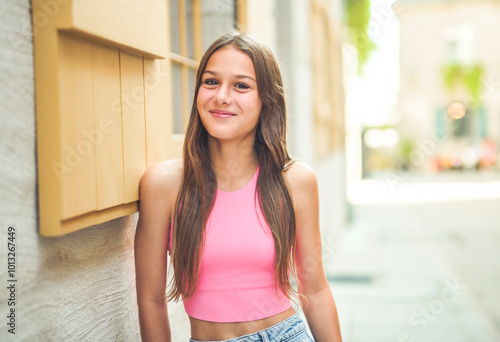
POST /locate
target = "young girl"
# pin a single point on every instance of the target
(238, 216)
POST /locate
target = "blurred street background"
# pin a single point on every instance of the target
(420, 265)
(419, 255)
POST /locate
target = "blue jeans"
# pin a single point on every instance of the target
(291, 329)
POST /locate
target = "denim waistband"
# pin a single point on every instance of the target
(281, 331)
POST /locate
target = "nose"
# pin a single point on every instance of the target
(222, 96)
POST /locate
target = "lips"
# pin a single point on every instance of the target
(222, 114)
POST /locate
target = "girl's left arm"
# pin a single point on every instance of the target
(319, 307)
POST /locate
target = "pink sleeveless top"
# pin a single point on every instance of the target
(236, 280)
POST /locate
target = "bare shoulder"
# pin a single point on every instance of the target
(303, 185)
(301, 177)
(162, 180)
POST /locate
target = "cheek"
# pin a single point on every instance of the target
(201, 100)
(198, 103)
(258, 105)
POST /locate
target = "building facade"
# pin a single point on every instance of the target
(80, 284)
(449, 94)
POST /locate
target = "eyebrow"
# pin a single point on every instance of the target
(236, 76)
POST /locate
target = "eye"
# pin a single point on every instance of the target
(242, 86)
(210, 82)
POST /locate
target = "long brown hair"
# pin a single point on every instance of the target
(197, 193)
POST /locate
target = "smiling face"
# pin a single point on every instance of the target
(228, 100)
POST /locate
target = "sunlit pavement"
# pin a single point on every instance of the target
(420, 262)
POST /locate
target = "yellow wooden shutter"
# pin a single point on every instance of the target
(101, 106)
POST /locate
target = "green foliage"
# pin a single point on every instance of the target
(455, 74)
(406, 148)
(358, 18)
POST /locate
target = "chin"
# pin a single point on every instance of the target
(220, 135)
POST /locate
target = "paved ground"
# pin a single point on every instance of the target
(420, 270)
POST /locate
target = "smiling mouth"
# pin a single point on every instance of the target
(221, 114)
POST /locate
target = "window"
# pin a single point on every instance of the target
(194, 25)
(463, 127)
(328, 97)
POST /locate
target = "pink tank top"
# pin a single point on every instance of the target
(236, 280)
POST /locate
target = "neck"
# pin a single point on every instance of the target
(232, 161)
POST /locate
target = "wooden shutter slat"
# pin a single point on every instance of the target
(109, 153)
(134, 135)
(78, 170)
(155, 117)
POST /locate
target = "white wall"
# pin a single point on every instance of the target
(261, 19)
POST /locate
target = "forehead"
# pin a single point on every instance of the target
(229, 59)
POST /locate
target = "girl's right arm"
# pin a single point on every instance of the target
(156, 193)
